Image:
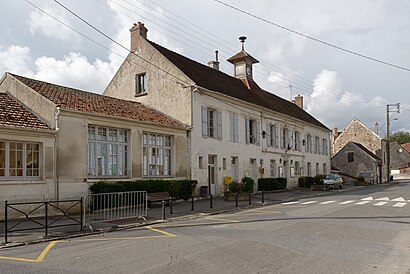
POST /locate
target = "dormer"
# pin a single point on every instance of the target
(243, 62)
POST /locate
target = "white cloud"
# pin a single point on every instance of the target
(15, 59)
(40, 22)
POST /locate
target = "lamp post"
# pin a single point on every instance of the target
(388, 135)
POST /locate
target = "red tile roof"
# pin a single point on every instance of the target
(406, 147)
(14, 114)
(215, 80)
(79, 100)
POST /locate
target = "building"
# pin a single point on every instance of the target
(236, 128)
(55, 141)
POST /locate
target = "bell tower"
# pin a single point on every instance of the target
(243, 62)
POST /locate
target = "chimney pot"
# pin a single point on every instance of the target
(299, 101)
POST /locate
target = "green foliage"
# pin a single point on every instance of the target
(178, 189)
(401, 137)
(309, 181)
(271, 184)
(248, 183)
(245, 186)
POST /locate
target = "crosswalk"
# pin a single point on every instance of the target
(378, 202)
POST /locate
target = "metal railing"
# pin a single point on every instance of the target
(29, 216)
(105, 207)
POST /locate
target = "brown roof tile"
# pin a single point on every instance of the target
(406, 147)
(215, 80)
(14, 114)
(79, 100)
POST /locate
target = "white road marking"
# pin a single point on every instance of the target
(400, 199)
(383, 199)
(400, 204)
(368, 199)
(346, 202)
(380, 203)
(308, 203)
(326, 203)
(290, 203)
(362, 202)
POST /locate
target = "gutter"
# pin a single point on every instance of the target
(55, 162)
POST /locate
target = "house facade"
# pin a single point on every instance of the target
(79, 138)
(236, 129)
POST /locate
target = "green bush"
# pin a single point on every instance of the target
(245, 186)
(309, 181)
(319, 179)
(271, 183)
(178, 189)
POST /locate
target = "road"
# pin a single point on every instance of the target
(361, 231)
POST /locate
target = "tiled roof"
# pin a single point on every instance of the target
(79, 100)
(215, 80)
(406, 147)
(14, 114)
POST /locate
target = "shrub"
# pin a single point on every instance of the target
(245, 186)
(306, 181)
(319, 179)
(271, 183)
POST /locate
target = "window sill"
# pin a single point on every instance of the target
(141, 94)
(21, 181)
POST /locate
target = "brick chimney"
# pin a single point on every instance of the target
(138, 30)
(214, 64)
(299, 101)
(335, 133)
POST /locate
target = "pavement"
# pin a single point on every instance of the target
(182, 210)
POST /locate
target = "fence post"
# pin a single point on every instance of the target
(192, 203)
(236, 199)
(46, 220)
(210, 201)
(250, 197)
(263, 196)
(163, 210)
(171, 211)
(81, 214)
(5, 222)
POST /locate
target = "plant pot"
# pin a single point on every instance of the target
(229, 196)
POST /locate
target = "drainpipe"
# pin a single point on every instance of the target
(55, 162)
(189, 133)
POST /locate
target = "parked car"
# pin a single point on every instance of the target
(333, 180)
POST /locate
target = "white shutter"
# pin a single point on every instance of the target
(247, 133)
(277, 138)
(268, 134)
(204, 121)
(235, 127)
(219, 125)
(231, 127)
(258, 133)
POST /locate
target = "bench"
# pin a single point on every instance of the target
(158, 197)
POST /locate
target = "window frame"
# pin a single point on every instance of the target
(141, 87)
(164, 150)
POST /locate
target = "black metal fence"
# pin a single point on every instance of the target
(28, 216)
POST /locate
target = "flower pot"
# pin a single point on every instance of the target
(229, 196)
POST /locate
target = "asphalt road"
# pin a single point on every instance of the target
(365, 231)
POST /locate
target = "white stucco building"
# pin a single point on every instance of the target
(236, 128)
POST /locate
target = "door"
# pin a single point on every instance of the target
(252, 169)
(211, 175)
(234, 168)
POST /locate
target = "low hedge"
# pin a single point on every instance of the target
(309, 181)
(271, 184)
(179, 189)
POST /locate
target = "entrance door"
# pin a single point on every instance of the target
(234, 168)
(211, 175)
(252, 169)
(286, 169)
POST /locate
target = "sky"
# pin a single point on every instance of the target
(336, 86)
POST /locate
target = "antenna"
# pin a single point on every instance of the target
(290, 89)
(216, 56)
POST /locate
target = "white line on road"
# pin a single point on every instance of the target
(400, 199)
(326, 203)
(308, 203)
(346, 202)
(368, 199)
(400, 204)
(383, 199)
(362, 202)
(290, 203)
(380, 203)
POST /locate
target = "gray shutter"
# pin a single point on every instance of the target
(235, 126)
(258, 133)
(219, 125)
(277, 139)
(268, 133)
(247, 133)
(290, 139)
(204, 121)
(231, 127)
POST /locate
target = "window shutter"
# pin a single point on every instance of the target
(258, 133)
(204, 121)
(290, 140)
(219, 125)
(277, 139)
(231, 127)
(235, 126)
(268, 133)
(247, 133)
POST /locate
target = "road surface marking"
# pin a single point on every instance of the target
(160, 231)
(400, 204)
(326, 203)
(383, 199)
(367, 199)
(39, 259)
(400, 199)
(220, 219)
(380, 203)
(362, 202)
(290, 203)
(346, 202)
(308, 203)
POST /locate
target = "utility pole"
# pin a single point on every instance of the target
(397, 109)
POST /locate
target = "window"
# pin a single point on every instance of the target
(224, 163)
(272, 168)
(201, 162)
(284, 138)
(157, 159)
(297, 167)
(309, 143)
(317, 169)
(317, 145)
(233, 129)
(324, 169)
(252, 128)
(309, 169)
(271, 136)
(211, 123)
(107, 151)
(325, 147)
(350, 157)
(19, 159)
(234, 168)
(141, 84)
(297, 145)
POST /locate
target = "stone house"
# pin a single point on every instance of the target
(236, 128)
(355, 160)
(55, 141)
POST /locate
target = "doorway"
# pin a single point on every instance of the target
(211, 174)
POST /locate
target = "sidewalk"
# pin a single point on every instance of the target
(181, 210)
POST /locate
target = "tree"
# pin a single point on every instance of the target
(401, 137)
